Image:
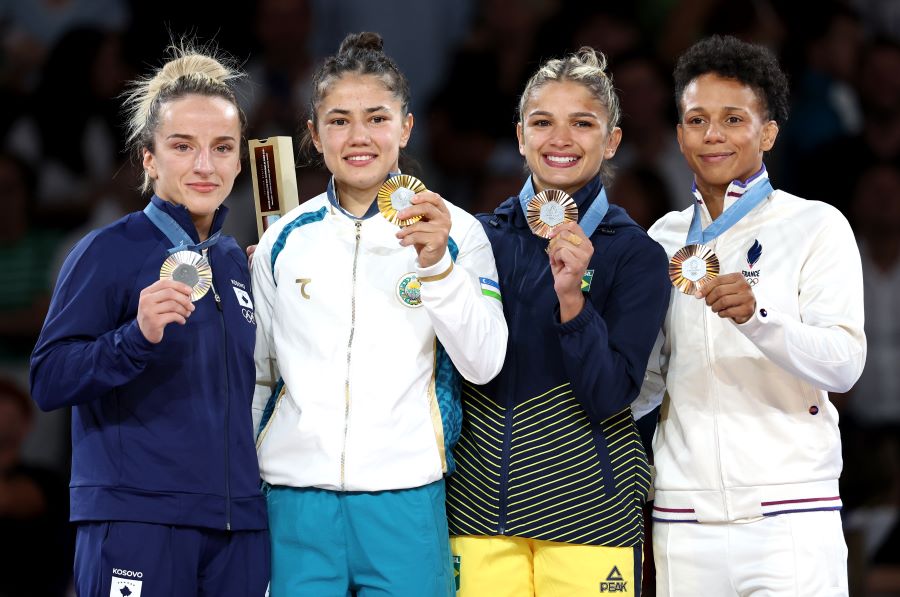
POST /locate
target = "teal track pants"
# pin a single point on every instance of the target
(336, 544)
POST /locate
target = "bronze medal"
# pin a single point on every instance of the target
(692, 266)
(549, 209)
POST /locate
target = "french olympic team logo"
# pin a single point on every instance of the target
(753, 256)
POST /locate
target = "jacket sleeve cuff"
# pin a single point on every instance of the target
(577, 323)
(133, 343)
(761, 317)
(438, 271)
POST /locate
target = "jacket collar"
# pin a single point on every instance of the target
(735, 190)
(180, 214)
(331, 193)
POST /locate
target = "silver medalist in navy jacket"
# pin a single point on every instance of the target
(161, 433)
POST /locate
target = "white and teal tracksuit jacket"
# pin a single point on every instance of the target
(356, 388)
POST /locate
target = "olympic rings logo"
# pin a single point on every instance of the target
(248, 315)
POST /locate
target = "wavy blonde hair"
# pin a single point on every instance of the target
(191, 70)
(588, 68)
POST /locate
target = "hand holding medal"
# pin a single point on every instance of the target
(729, 296)
(570, 254)
(184, 277)
(553, 214)
(421, 214)
(163, 302)
(694, 269)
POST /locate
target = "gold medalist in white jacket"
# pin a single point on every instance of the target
(363, 348)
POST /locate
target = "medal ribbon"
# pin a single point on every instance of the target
(181, 240)
(591, 218)
(731, 216)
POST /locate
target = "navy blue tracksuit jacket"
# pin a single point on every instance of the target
(160, 433)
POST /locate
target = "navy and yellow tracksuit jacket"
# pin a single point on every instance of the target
(549, 449)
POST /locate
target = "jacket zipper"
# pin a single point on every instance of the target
(708, 341)
(218, 299)
(358, 224)
(505, 455)
(504, 467)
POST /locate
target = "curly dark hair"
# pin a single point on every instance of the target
(729, 57)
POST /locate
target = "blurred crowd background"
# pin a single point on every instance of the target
(63, 172)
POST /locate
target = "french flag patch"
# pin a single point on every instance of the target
(490, 288)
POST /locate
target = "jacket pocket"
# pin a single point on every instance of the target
(601, 446)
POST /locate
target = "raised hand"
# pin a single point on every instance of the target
(429, 235)
(570, 252)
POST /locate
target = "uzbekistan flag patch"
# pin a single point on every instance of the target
(490, 288)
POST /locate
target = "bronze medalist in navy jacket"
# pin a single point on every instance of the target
(549, 449)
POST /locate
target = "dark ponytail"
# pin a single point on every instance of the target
(361, 41)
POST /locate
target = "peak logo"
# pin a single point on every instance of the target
(615, 582)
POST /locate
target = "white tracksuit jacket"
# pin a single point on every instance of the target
(746, 428)
(358, 356)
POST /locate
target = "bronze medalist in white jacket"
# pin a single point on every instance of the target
(746, 428)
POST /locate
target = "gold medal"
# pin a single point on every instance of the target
(692, 266)
(396, 194)
(188, 268)
(549, 209)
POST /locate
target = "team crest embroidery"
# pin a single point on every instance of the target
(409, 290)
(753, 255)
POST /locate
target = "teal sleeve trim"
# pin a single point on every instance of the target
(448, 388)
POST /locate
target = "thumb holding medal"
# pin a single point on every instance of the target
(162, 303)
(430, 233)
(729, 296)
(570, 253)
(423, 217)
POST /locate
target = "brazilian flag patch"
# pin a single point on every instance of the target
(456, 567)
(586, 280)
